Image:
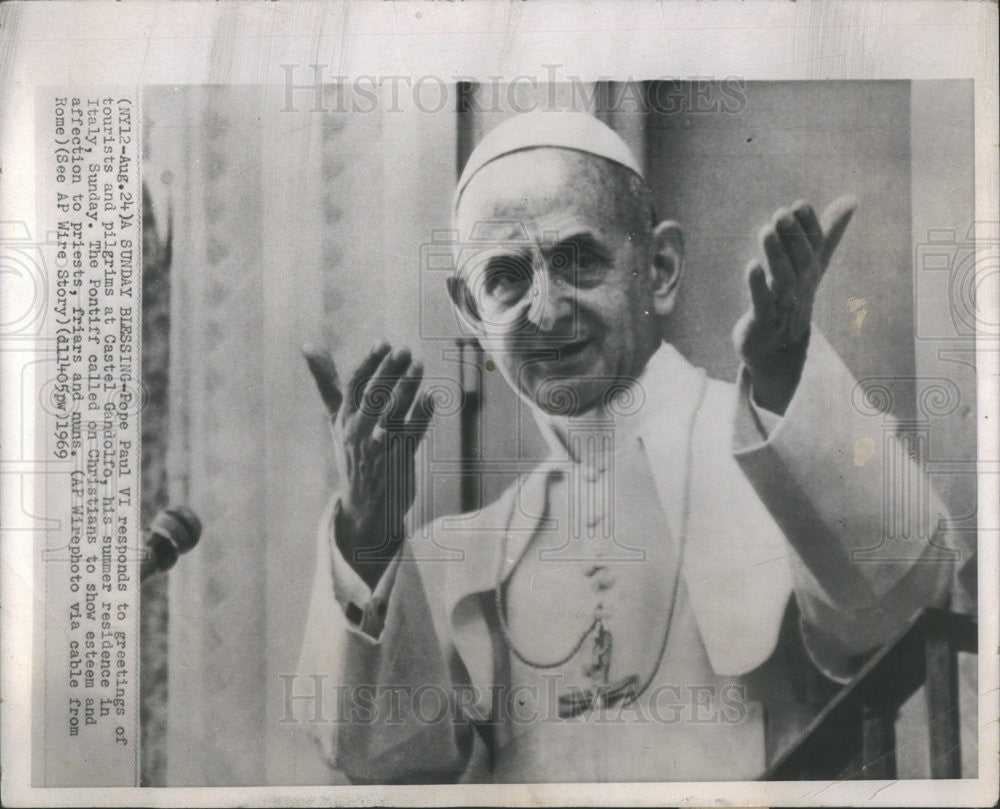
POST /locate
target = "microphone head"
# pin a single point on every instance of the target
(180, 525)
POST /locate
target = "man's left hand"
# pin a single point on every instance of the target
(773, 335)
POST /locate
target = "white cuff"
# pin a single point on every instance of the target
(753, 424)
(767, 421)
(364, 609)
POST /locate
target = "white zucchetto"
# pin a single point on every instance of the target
(578, 131)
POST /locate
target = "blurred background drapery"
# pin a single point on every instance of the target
(288, 225)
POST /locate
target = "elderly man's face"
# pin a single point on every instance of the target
(555, 268)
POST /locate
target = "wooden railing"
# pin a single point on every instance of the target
(854, 736)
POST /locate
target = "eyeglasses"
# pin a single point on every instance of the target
(501, 283)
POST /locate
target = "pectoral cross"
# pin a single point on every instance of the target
(601, 693)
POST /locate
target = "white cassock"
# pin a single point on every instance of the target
(732, 555)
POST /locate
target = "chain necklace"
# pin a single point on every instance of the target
(629, 689)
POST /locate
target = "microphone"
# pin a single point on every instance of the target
(174, 530)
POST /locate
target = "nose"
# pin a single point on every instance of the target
(551, 301)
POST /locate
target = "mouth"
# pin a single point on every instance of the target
(569, 350)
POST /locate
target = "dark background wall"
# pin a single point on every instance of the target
(723, 174)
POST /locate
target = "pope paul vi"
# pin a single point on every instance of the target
(674, 592)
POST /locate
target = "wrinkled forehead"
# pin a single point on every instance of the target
(536, 194)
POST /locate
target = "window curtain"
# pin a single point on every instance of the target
(288, 226)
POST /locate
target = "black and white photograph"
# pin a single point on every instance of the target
(513, 426)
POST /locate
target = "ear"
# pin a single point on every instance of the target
(461, 301)
(667, 265)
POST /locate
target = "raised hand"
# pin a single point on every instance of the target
(377, 422)
(773, 335)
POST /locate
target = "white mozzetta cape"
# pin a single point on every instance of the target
(774, 514)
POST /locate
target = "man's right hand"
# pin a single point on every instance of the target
(377, 423)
